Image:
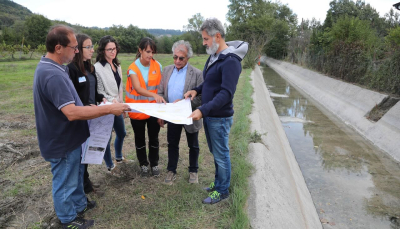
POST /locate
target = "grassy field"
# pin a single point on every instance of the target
(129, 201)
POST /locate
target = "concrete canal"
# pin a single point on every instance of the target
(352, 183)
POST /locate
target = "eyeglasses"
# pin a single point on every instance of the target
(73, 47)
(89, 47)
(181, 58)
(111, 50)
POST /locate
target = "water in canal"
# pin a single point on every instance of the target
(352, 183)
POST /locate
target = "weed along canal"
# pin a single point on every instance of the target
(352, 183)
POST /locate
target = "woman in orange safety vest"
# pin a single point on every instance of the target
(144, 75)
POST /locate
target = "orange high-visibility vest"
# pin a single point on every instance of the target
(153, 81)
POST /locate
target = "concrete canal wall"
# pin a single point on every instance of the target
(279, 196)
(348, 102)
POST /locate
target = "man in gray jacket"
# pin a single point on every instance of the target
(176, 80)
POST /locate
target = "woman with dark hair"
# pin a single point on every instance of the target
(144, 75)
(109, 77)
(83, 76)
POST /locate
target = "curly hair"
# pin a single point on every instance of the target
(186, 44)
(213, 26)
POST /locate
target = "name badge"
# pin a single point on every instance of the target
(82, 79)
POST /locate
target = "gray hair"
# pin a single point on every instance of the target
(178, 45)
(213, 26)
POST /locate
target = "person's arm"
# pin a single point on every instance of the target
(121, 98)
(192, 94)
(230, 77)
(98, 97)
(100, 82)
(160, 87)
(196, 102)
(144, 92)
(73, 112)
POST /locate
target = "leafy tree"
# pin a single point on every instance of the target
(392, 19)
(164, 43)
(251, 21)
(38, 27)
(358, 9)
(193, 35)
(41, 49)
(195, 23)
(283, 28)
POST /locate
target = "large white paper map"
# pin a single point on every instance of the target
(176, 113)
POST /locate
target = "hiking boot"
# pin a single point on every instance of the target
(215, 197)
(155, 171)
(89, 205)
(78, 223)
(210, 188)
(170, 178)
(144, 171)
(193, 178)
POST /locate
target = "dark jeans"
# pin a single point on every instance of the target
(173, 137)
(139, 129)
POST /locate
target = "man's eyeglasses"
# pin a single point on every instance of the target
(111, 50)
(181, 58)
(89, 47)
(73, 47)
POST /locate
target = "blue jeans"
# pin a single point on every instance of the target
(217, 134)
(68, 195)
(120, 132)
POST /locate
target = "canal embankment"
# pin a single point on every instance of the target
(279, 196)
(350, 103)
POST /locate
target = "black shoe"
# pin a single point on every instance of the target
(78, 223)
(89, 205)
(144, 171)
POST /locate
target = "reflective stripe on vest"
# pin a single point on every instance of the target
(132, 96)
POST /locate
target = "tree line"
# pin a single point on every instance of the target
(29, 35)
(354, 43)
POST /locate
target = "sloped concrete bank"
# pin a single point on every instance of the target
(279, 195)
(348, 102)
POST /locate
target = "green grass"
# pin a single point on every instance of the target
(176, 206)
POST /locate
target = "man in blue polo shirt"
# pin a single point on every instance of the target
(61, 128)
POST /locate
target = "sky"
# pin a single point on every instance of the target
(164, 14)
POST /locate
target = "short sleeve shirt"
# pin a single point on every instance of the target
(52, 90)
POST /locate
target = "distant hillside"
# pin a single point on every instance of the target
(164, 32)
(10, 12)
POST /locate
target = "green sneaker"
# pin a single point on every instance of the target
(215, 197)
(210, 188)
